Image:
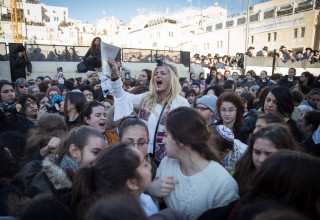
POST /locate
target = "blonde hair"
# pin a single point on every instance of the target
(173, 90)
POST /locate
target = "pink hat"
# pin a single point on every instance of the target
(89, 73)
(53, 88)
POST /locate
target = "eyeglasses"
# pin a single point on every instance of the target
(139, 144)
(25, 86)
(31, 103)
(202, 108)
(230, 110)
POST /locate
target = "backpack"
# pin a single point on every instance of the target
(82, 68)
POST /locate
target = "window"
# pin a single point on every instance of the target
(269, 37)
(170, 34)
(221, 45)
(204, 46)
(208, 46)
(295, 33)
(64, 13)
(252, 39)
(218, 44)
(274, 36)
(303, 31)
(28, 11)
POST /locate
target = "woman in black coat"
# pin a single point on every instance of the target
(18, 63)
(92, 59)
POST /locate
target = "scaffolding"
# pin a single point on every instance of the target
(16, 21)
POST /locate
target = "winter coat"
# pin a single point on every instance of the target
(38, 178)
(18, 66)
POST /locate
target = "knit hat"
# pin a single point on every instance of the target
(53, 88)
(196, 82)
(255, 88)
(225, 132)
(56, 98)
(89, 73)
(34, 86)
(209, 101)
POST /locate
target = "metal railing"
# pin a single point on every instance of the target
(65, 53)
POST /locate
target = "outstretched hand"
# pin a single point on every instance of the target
(162, 187)
(114, 69)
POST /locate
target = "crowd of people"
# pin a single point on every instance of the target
(233, 62)
(214, 147)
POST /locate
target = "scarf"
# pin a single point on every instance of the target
(69, 166)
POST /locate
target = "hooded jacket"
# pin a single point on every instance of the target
(37, 178)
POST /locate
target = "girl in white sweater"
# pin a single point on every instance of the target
(202, 182)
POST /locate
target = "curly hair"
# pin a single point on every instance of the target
(236, 100)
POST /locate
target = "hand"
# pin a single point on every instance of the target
(114, 69)
(20, 54)
(162, 187)
(42, 111)
(28, 73)
(53, 145)
(44, 151)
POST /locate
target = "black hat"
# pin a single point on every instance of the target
(20, 48)
(282, 47)
(265, 48)
(196, 82)
(308, 48)
(251, 47)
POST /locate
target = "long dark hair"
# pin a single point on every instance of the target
(188, 126)
(279, 135)
(284, 99)
(236, 100)
(76, 98)
(282, 178)
(93, 47)
(113, 167)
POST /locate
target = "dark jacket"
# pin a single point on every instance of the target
(262, 84)
(97, 55)
(18, 66)
(38, 178)
(315, 84)
(15, 122)
(285, 82)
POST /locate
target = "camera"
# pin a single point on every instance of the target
(52, 108)
(54, 104)
(13, 108)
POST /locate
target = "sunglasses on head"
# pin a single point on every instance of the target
(25, 86)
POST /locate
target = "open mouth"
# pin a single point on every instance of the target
(158, 83)
(102, 124)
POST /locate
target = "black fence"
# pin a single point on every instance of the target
(64, 53)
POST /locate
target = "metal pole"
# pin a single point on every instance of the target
(274, 61)
(247, 27)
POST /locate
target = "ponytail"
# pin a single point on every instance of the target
(83, 186)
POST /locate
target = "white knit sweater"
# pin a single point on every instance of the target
(213, 187)
(124, 103)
